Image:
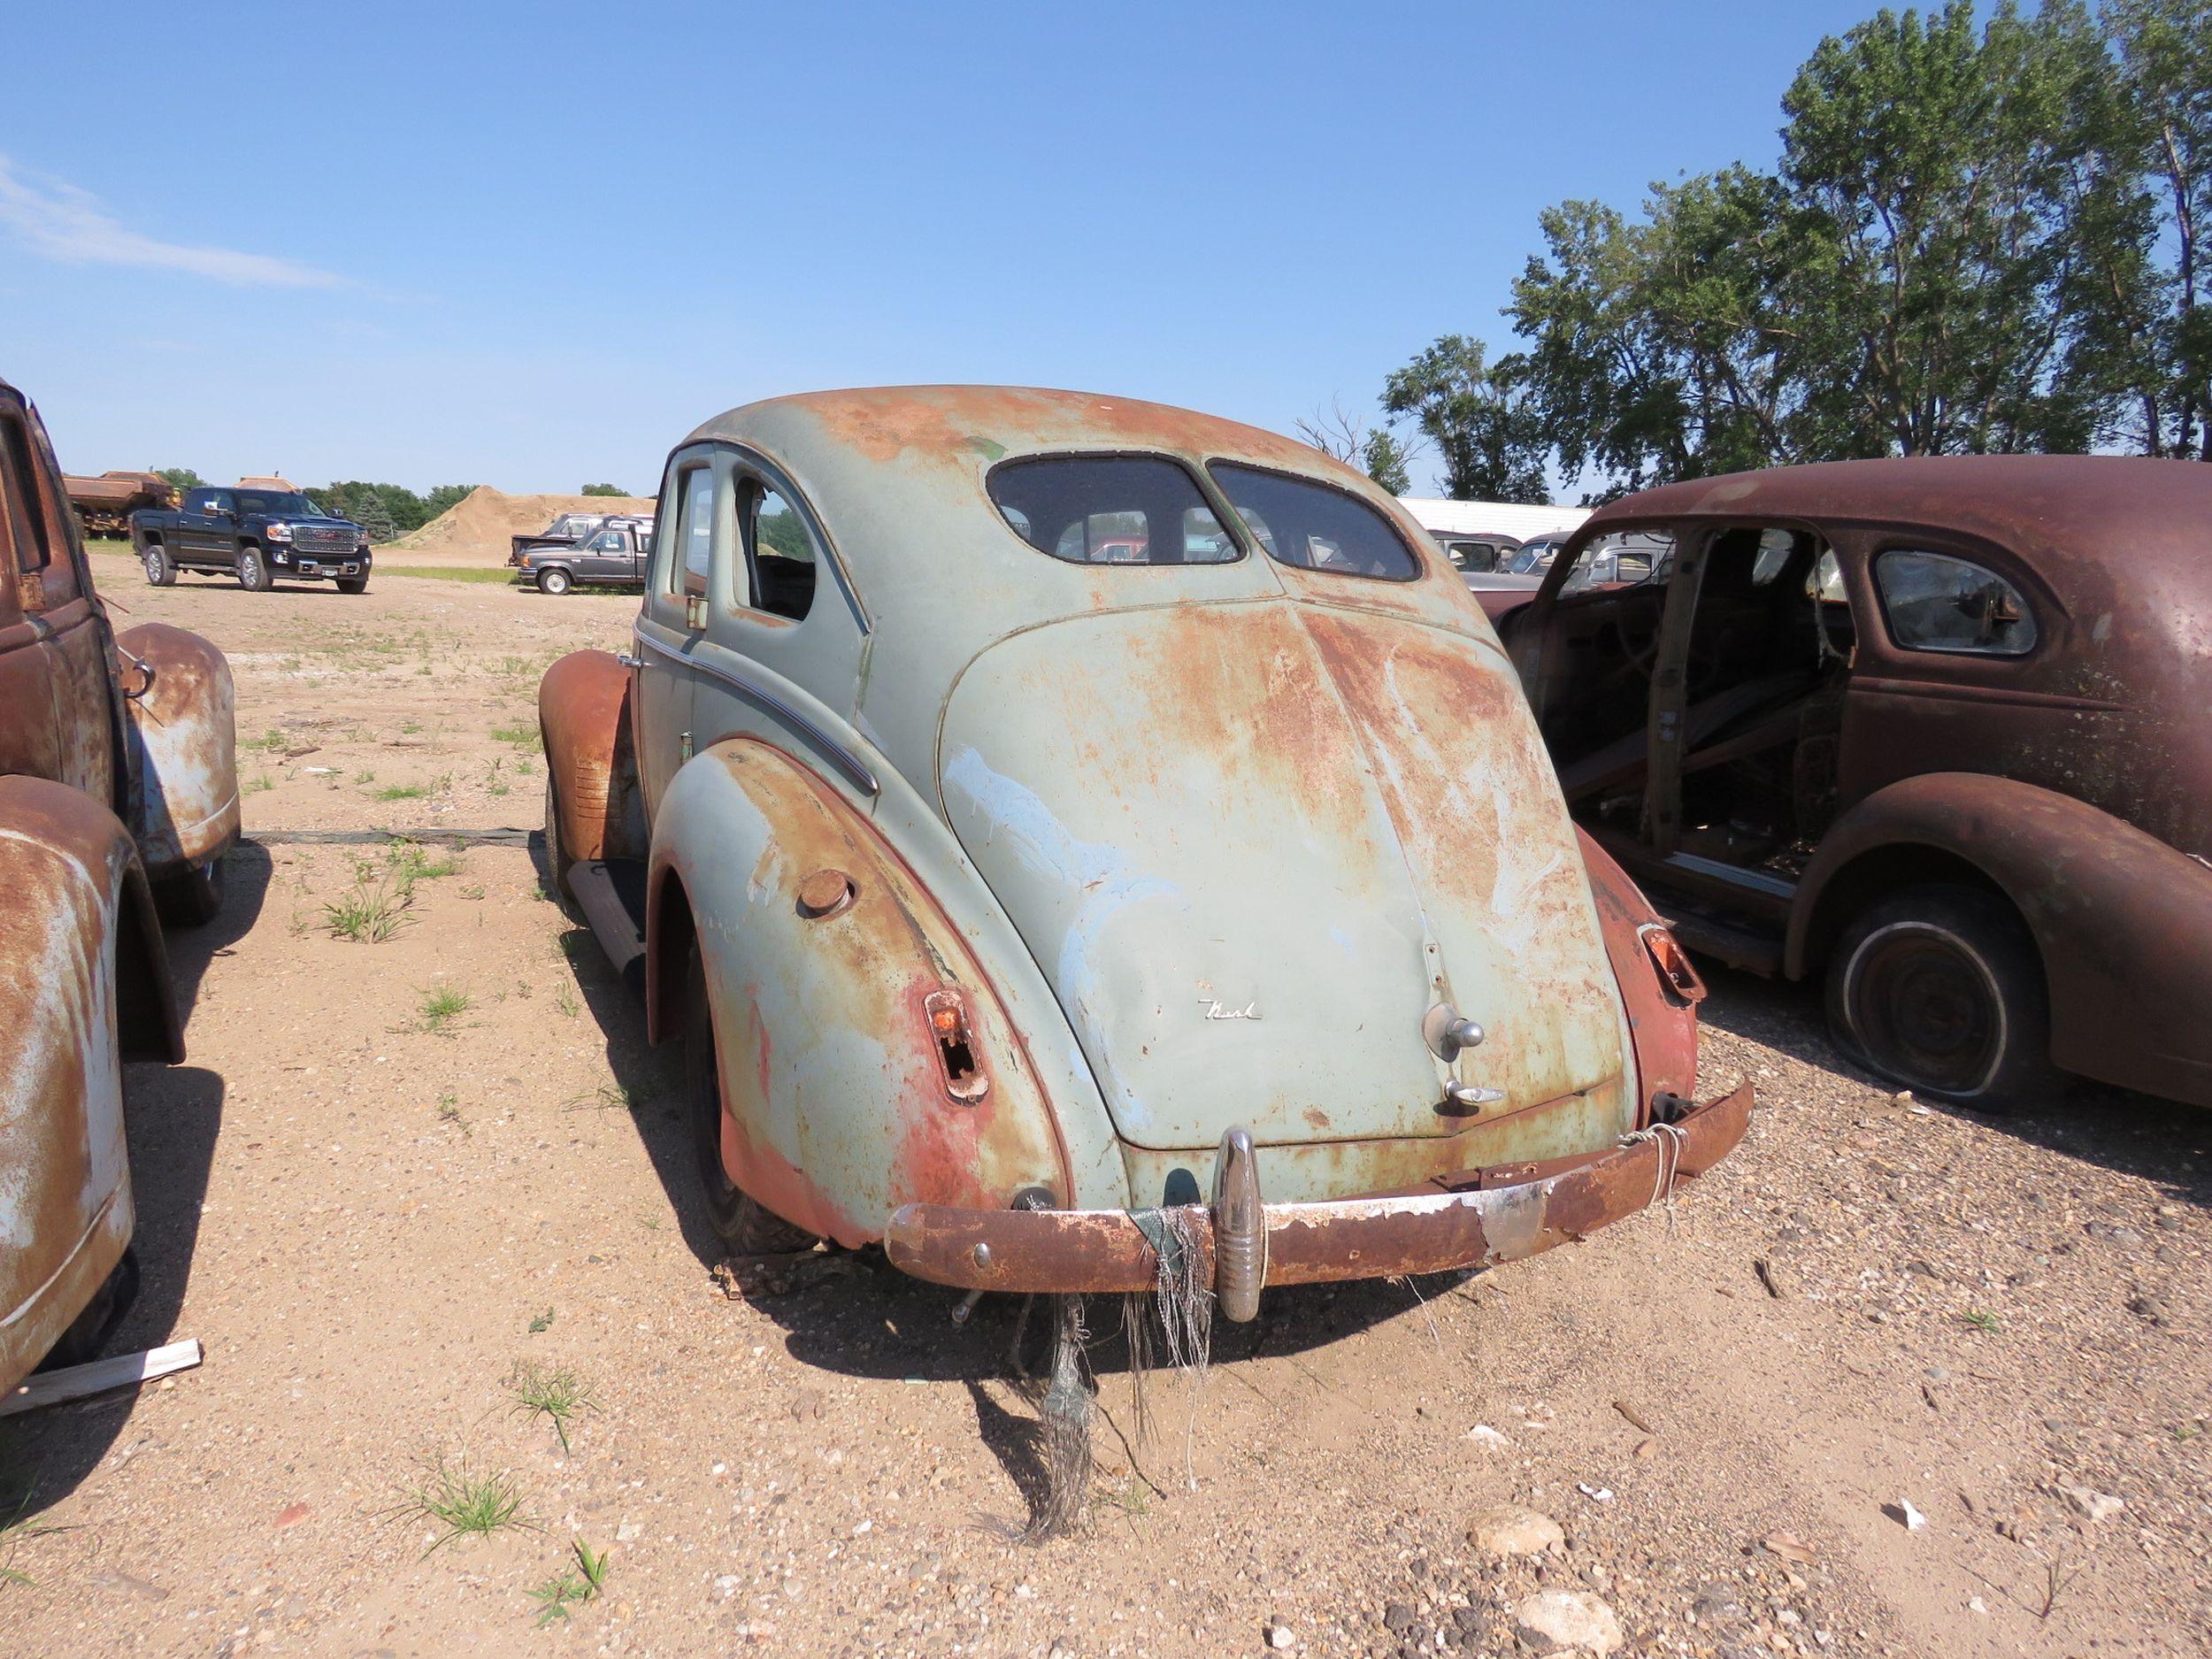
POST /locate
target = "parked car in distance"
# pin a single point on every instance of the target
(258, 536)
(118, 797)
(1057, 809)
(611, 556)
(567, 530)
(1934, 729)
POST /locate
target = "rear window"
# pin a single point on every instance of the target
(1110, 509)
(1313, 527)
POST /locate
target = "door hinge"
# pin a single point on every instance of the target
(683, 746)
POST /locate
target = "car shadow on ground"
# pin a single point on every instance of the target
(171, 1114)
(2161, 1141)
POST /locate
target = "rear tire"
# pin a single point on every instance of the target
(88, 1332)
(253, 571)
(161, 570)
(1941, 988)
(555, 582)
(739, 1221)
(192, 899)
(556, 859)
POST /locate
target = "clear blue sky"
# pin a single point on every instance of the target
(533, 245)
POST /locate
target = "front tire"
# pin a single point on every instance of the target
(743, 1227)
(353, 584)
(1941, 989)
(555, 582)
(253, 571)
(161, 570)
(192, 899)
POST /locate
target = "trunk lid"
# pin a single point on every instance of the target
(1251, 844)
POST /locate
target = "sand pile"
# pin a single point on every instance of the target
(475, 530)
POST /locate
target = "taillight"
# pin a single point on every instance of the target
(1674, 963)
(955, 1045)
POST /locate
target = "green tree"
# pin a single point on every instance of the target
(1488, 433)
(603, 489)
(445, 497)
(1383, 458)
(181, 478)
(2165, 49)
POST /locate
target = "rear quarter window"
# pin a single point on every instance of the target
(1110, 509)
(1315, 526)
(1937, 602)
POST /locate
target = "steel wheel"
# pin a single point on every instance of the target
(1941, 988)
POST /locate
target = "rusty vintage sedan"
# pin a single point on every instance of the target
(1934, 729)
(1049, 820)
(118, 797)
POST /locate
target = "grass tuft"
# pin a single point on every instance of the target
(556, 1393)
(586, 1582)
(368, 915)
(1981, 1319)
(403, 792)
(466, 1505)
(440, 1006)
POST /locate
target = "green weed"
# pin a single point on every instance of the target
(543, 1323)
(553, 1392)
(440, 1006)
(403, 792)
(1981, 1319)
(587, 1582)
(368, 915)
(466, 1505)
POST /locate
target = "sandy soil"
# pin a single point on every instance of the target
(477, 528)
(372, 1217)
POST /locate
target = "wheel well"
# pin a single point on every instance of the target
(669, 934)
(1872, 875)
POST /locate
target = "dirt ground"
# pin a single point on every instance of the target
(391, 1173)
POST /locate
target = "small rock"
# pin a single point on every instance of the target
(627, 1531)
(291, 1514)
(1647, 1449)
(1483, 1434)
(1551, 1620)
(2097, 1506)
(1280, 1637)
(806, 1405)
(1789, 1547)
(1510, 1530)
(1397, 1619)
(1975, 1604)
(1905, 1514)
(1717, 1604)
(1596, 1495)
(2149, 1307)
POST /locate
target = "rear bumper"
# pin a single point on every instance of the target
(1493, 1217)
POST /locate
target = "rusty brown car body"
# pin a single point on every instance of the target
(1937, 728)
(117, 800)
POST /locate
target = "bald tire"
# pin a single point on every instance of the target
(738, 1219)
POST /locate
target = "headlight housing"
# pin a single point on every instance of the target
(279, 533)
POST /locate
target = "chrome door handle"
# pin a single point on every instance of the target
(628, 661)
(1467, 1097)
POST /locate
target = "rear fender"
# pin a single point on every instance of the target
(841, 1102)
(184, 747)
(1662, 1005)
(2122, 921)
(584, 716)
(83, 987)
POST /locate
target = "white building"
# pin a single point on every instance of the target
(1490, 518)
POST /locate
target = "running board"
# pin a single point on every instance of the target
(1756, 951)
(611, 895)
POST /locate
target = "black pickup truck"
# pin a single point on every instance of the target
(256, 535)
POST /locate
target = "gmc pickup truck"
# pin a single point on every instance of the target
(256, 535)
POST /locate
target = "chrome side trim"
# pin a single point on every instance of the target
(854, 769)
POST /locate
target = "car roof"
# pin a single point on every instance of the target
(2053, 510)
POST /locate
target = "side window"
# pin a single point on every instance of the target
(1315, 526)
(1629, 558)
(694, 531)
(781, 551)
(1110, 509)
(18, 461)
(1936, 602)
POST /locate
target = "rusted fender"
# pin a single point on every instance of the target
(83, 986)
(1101, 1250)
(1661, 989)
(591, 753)
(184, 741)
(828, 966)
(2124, 922)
